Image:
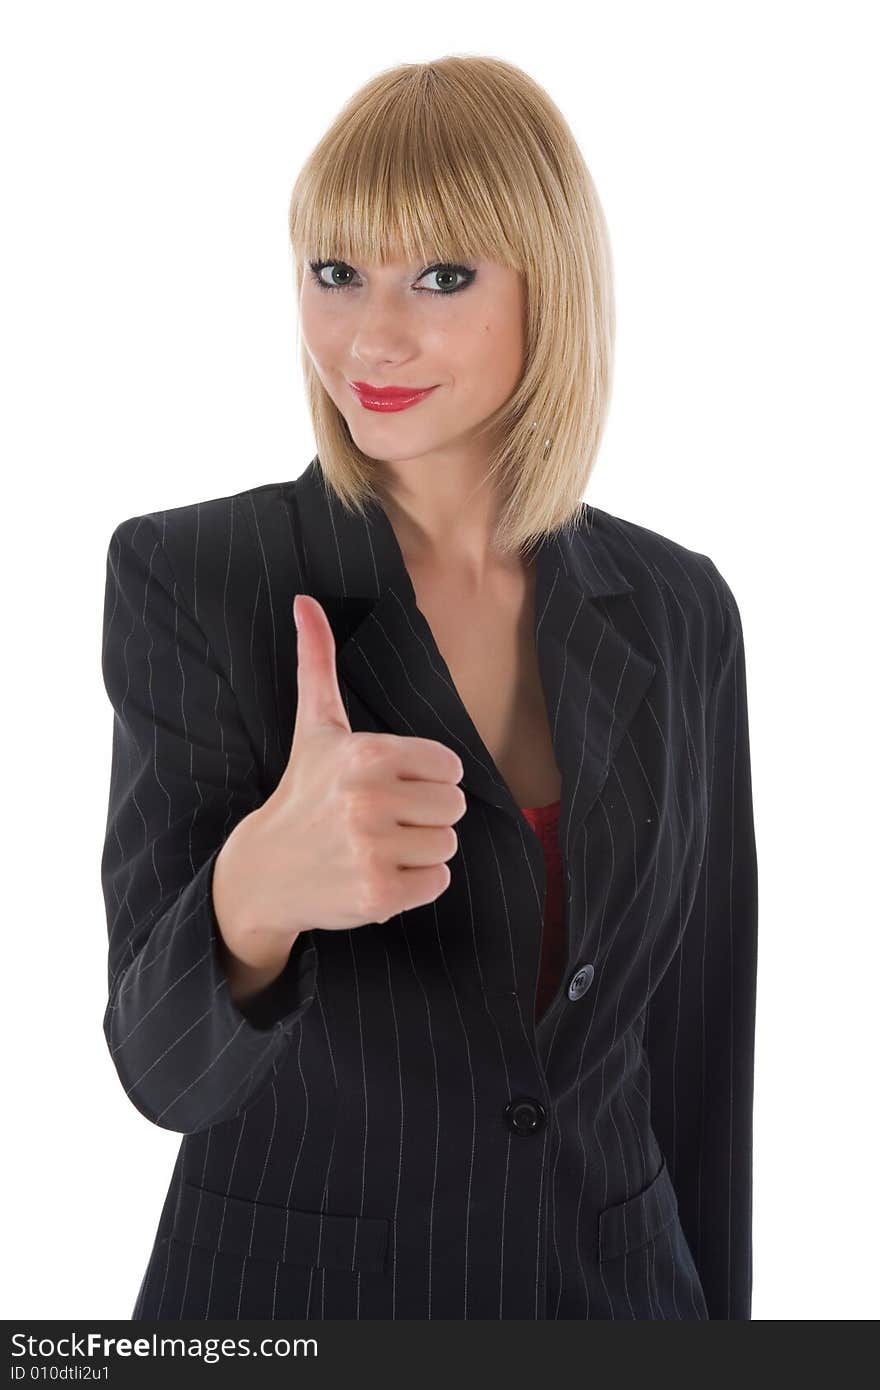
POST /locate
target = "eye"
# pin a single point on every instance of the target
(444, 271)
(316, 267)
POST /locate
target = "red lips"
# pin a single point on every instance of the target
(388, 393)
(388, 397)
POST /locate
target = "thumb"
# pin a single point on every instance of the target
(319, 702)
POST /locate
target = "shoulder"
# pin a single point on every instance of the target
(210, 535)
(206, 521)
(222, 559)
(662, 569)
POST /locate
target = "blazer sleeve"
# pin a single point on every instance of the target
(700, 1025)
(182, 775)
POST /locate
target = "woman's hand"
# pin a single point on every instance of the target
(359, 827)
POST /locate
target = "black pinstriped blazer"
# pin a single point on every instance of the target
(387, 1132)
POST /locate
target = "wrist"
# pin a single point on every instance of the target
(248, 945)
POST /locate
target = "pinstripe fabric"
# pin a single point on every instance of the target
(388, 1133)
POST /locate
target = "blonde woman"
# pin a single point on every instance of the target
(432, 924)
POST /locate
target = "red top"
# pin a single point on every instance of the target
(544, 820)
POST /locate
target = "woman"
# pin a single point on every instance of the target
(433, 925)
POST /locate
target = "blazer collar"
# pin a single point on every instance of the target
(593, 678)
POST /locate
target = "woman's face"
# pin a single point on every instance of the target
(458, 328)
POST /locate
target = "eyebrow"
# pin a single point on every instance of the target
(432, 259)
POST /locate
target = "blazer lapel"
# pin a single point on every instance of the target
(394, 666)
(593, 678)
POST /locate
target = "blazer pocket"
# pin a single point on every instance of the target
(235, 1226)
(633, 1223)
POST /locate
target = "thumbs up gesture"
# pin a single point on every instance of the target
(359, 827)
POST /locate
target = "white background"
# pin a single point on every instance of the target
(149, 360)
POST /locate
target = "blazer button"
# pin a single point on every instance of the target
(524, 1115)
(580, 982)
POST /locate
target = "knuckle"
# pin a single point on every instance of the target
(374, 891)
(368, 751)
(357, 808)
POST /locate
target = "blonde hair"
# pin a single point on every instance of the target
(468, 156)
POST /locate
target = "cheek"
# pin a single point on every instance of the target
(323, 333)
(484, 375)
(496, 358)
(328, 355)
